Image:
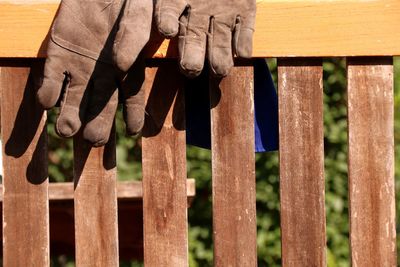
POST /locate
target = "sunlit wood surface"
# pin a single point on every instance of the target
(284, 28)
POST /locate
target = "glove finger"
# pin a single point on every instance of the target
(134, 98)
(220, 47)
(192, 44)
(134, 32)
(54, 81)
(69, 120)
(101, 109)
(75, 98)
(243, 36)
(167, 16)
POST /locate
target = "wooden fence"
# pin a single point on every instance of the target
(299, 33)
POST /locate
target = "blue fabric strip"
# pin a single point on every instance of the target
(198, 125)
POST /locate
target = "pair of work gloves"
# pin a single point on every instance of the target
(94, 58)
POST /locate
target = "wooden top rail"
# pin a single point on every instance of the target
(284, 28)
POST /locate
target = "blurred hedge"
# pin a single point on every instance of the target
(199, 167)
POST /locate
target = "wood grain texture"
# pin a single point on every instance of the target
(301, 155)
(371, 162)
(283, 28)
(96, 226)
(164, 169)
(233, 169)
(25, 205)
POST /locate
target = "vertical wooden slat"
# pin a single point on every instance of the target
(164, 169)
(25, 184)
(95, 198)
(233, 169)
(371, 162)
(301, 155)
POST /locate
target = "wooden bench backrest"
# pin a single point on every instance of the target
(294, 31)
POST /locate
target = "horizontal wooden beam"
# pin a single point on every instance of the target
(125, 190)
(284, 28)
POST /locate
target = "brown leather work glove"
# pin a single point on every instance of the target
(93, 44)
(223, 28)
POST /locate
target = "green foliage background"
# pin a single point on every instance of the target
(199, 167)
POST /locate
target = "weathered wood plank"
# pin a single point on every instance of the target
(25, 205)
(301, 154)
(283, 28)
(96, 226)
(164, 169)
(371, 162)
(233, 169)
(127, 190)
